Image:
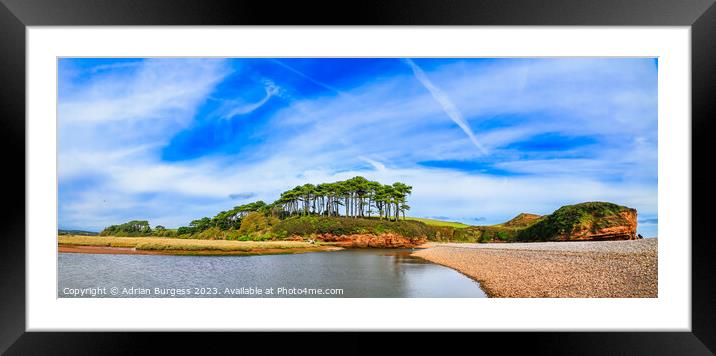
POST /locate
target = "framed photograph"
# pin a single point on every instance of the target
(436, 169)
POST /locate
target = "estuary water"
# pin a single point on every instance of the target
(351, 273)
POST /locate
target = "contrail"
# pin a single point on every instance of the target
(450, 109)
(304, 76)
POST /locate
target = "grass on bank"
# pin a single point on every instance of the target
(159, 243)
(434, 222)
(313, 224)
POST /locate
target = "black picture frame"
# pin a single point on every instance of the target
(16, 15)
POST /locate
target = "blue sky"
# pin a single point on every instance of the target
(480, 140)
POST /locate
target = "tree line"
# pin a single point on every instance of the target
(224, 220)
(357, 197)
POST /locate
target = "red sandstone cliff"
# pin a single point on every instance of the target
(624, 230)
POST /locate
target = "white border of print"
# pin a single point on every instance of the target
(670, 311)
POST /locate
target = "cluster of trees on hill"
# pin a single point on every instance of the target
(357, 196)
(132, 228)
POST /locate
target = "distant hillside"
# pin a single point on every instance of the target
(77, 232)
(522, 220)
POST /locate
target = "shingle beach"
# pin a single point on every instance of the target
(600, 269)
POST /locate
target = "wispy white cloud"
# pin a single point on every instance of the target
(160, 88)
(114, 66)
(271, 90)
(375, 164)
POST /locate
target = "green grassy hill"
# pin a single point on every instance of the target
(435, 222)
(315, 224)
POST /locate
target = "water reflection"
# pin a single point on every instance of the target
(402, 256)
(360, 273)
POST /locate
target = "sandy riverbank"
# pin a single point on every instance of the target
(606, 269)
(173, 246)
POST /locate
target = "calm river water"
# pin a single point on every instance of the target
(355, 273)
